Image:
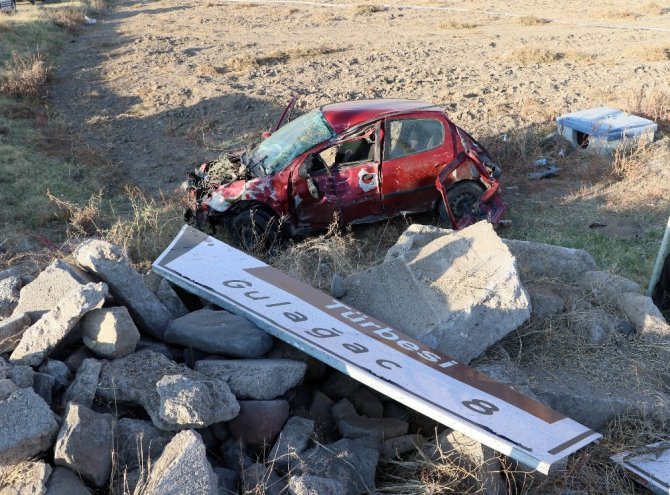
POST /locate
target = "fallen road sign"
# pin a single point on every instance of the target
(371, 352)
(649, 466)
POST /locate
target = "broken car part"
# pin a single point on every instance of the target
(659, 285)
(649, 466)
(371, 352)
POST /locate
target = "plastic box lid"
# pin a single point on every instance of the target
(606, 123)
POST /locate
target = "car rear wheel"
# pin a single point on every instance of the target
(463, 200)
(255, 230)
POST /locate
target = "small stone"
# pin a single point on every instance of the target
(24, 478)
(293, 439)
(315, 485)
(219, 332)
(343, 409)
(65, 482)
(44, 385)
(7, 388)
(9, 295)
(112, 266)
(11, 330)
(83, 388)
(228, 480)
(320, 412)
(56, 282)
(84, 444)
(260, 379)
(259, 478)
(42, 337)
(110, 332)
(259, 421)
(182, 468)
(643, 314)
(393, 448)
(367, 403)
(167, 295)
(57, 369)
(380, 429)
(338, 286)
(27, 426)
(138, 442)
(22, 375)
(76, 358)
(338, 386)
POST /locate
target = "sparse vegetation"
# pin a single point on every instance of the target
(458, 25)
(650, 53)
(541, 55)
(368, 9)
(241, 63)
(24, 75)
(531, 20)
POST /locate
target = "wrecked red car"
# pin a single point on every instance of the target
(357, 162)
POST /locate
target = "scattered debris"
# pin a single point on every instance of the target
(544, 174)
(605, 129)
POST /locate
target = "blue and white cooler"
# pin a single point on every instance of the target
(604, 129)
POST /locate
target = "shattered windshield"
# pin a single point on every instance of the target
(291, 140)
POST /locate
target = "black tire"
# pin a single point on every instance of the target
(463, 200)
(255, 230)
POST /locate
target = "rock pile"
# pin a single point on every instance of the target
(109, 382)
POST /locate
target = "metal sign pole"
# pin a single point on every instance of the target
(663, 253)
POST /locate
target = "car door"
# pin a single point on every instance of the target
(415, 148)
(313, 201)
(355, 172)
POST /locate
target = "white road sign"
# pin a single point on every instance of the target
(649, 466)
(372, 352)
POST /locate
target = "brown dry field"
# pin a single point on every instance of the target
(159, 87)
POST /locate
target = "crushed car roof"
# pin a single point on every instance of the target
(342, 116)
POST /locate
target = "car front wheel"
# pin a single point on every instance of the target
(463, 200)
(255, 230)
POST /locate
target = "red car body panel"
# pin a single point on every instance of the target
(307, 194)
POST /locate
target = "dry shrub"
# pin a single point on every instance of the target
(458, 25)
(82, 220)
(631, 163)
(617, 14)
(534, 55)
(24, 75)
(531, 20)
(209, 70)
(652, 8)
(97, 6)
(70, 18)
(649, 102)
(150, 226)
(368, 9)
(650, 53)
(316, 259)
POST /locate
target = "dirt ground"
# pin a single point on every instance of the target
(159, 87)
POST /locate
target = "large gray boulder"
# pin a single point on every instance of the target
(112, 266)
(85, 384)
(65, 482)
(174, 396)
(459, 294)
(219, 332)
(40, 339)
(50, 287)
(24, 478)
(351, 462)
(182, 468)
(110, 332)
(27, 426)
(84, 444)
(260, 379)
(641, 311)
(9, 295)
(11, 330)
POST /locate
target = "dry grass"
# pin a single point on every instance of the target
(242, 63)
(70, 18)
(24, 75)
(617, 14)
(632, 163)
(539, 55)
(368, 9)
(652, 8)
(531, 20)
(458, 25)
(650, 53)
(649, 102)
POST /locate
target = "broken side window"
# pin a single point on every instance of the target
(409, 136)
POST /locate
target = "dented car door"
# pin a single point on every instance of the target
(415, 148)
(314, 202)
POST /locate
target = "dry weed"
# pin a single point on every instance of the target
(82, 220)
(70, 18)
(650, 53)
(534, 55)
(24, 75)
(617, 14)
(531, 20)
(649, 102)
(368, 9)
(631, 163)
(652, 8)
(97, 6)
(458, 25)
(209, 70)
